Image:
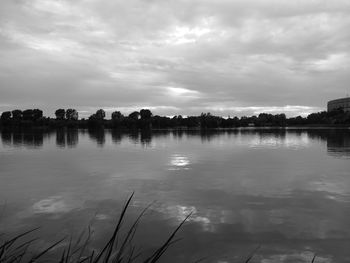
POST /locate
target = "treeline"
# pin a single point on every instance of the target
(144, 119)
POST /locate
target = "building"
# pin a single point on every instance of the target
(343, 103)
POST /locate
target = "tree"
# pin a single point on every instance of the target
(37, 114)
(317, 118)
(72, 115)
(60, 113)
(96, 120)
(6, 115)
(134, 115)
(92, 117)
(17, 115)
(100, 114)
(280, 119)
(27, 115)
(32, 115)
(145, 114)
(117, 115)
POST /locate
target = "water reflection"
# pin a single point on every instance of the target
(146, 138)
(72, 137)
(6, 138)
(29, 139)
(338, 143)
(280, 188)
(61, 138)
(67, 137)
(17, 138)
(116, 136)
(97, 135)
(134, 137)
(51, 205)
(179, 162)
(337, 140)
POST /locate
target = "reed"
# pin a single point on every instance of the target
(119, 248)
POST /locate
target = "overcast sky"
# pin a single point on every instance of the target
(228, 57)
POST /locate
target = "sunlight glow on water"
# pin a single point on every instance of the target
(178, 162)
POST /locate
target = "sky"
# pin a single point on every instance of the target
(227, 57)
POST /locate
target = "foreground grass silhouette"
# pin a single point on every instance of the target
(118, 249)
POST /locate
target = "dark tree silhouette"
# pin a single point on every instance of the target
(145, 114)
(6, 115)
(60, 114)
(32, 115)
(134, 115)
(117, 115)
(72, 115)
(17, 115)
(145, 120)
(37, 114)
(319, 117)
(100, 114)
(27, 115)
(97, 120)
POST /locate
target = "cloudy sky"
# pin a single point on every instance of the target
(228, 57)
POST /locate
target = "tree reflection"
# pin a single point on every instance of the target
(67, 137)
(337, 140)
(6, 138)
(134, 137)
(178, 134)
(27, 138)
(208, 135)
(146, 137)
(98, 135)
(35, 139)
(338, 143)
(72, 137)
(116, 136)
(38, 139)
(60, 138)
(17, 138)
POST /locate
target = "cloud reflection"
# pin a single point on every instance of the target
(180, 212)
(283, 141)
(296, 257)
(51, 205)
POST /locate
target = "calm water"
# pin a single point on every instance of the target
(288, 191)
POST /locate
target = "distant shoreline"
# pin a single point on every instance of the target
(144, 119)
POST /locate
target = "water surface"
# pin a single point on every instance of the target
(285, 190)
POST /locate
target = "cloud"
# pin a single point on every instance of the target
(176, 57)
(181, 93)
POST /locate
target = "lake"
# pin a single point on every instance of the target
(285, 192)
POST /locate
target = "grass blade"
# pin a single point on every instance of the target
(108, 247)
(164, 247)
(252, 254)
(45, 251)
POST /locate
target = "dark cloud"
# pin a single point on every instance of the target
(176, 57)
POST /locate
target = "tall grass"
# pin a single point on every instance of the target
(119, 248)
